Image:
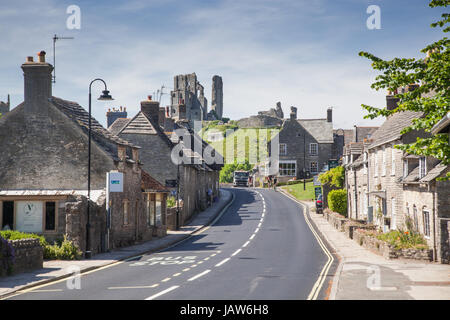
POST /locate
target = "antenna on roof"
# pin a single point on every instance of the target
(55, 37)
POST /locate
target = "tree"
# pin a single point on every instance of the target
(431, 97)
(334, 177)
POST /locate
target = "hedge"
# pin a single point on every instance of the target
(337, 201)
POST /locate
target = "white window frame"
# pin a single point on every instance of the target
(422, 167)
(393, 161)
(383, 162)
(426, 223)
(311, 145)
(310, 167)
(287, 162)
(283, 145)
(405, 168)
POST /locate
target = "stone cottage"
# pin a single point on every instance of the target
(305, 146)
(43, 178)
(395, 190)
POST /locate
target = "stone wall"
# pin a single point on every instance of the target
(389, 252)
(260, 121)
(29, 255)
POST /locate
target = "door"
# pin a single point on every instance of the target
(8, 214)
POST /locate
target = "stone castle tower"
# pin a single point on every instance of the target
(217, 96)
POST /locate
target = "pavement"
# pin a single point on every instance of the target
(60, 269)
(364, 275)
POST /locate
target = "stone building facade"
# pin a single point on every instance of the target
(305, 146)
(43, 179)
(395, 190)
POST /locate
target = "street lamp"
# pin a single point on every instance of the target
(105, 96)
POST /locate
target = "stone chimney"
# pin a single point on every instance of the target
(115, 114)
(162, 116)
(391, 101)
(293, 114)
(37, 83)
(151, 109)
(329, 115)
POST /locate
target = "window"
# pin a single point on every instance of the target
(383, 167)
(422, 167)
(405, 168)
(375, 164)
(287, 169)
(313, 149)
(393, 214)
(426, 223)
(125, 211)
(8, 215)
(50, 216)
(313, 167)
(392, 161)
(283, 149)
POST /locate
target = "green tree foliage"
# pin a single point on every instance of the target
(337, 201)
(334, 177)
(226, 174)
(432, 97)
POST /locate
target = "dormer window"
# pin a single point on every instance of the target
(422, 167)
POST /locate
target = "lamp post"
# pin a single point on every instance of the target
(105, 97)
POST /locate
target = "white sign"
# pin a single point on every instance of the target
(115, 182)
(29, 216)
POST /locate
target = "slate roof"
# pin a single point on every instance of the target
(150, 184)
(320, 129)
(413, 176)
(117, 125)
(143, 124)
(390, 129)
(81, 117)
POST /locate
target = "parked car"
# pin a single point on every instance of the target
(319, 204)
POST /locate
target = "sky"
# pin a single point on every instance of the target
(303, 53)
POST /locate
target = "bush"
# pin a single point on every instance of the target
(337, 201)
(171, 202)
(17, 235)
(334, 177)
(66, 251)
(404, 239)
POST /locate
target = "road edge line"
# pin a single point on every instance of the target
(340, 261)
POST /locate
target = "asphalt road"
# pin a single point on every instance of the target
(261, 248)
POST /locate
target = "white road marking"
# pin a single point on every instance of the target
(162, 292)
(236, 252)
(199, 275)
(222, 262)
(165, 280)
(256, 230)
(176, 274)
(246, 244)
(259, 225)
(253, 235)
(187, 269)
(135, 287)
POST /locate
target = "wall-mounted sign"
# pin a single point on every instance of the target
(29, 216)
(171, 183)
(317, 191)
(115, 181)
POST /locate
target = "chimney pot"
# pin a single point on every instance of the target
(41, 56)
(329, 115)
(149, 97)
(293, 114)
(30, 59)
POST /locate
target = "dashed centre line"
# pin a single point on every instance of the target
(199, 275)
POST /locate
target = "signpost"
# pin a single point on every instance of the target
(333, 164)
(114, 183)
(317, 191)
